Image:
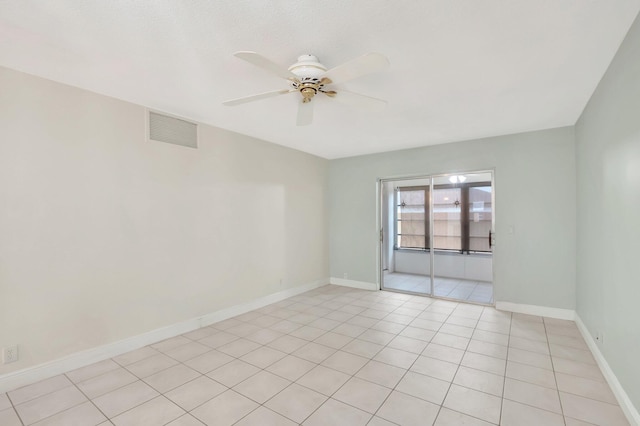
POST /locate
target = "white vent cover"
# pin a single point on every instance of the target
(167, 129)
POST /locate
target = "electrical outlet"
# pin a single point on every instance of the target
(10, 354)
(345, 275)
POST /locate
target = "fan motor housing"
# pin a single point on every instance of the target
(308, 66)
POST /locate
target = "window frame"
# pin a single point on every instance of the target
(464, 216)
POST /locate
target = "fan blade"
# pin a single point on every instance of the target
(365, 64)
(233, 102)
(358, 100)
(305, 114)
(264, 63)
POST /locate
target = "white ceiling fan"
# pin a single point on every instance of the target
(309, 77)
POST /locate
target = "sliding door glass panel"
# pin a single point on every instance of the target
(406, 264)
(462, 222)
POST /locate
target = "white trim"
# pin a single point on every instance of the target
(363, 285)
(542, 311)
(623, 399)
(16, 379)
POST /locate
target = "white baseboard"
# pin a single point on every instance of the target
(542, 311)
(363, 285)
(623, 399)
(16, 379)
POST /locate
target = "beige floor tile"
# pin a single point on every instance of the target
(157, 411)
(362, 348)
(38, 389)
(502, 328)
(588, 371)
(407, 410)
(451, 340)
(325, 324)
(376, 336)
(93, 370)
(530, 358)
(233, 373)
(218, 339)
(209, 361)
(456, 330)
(152, 365)
(264, 336)
(426, 324)
(264, 417)
(473, 403)
(324, 380)
(529, 345)
(530, 374)
(106, 382)
(592, 411)
(382, 374)
(200, 333)
(336, 413)
(85, 414)
(239, 347)
(443, 353)
(362, 394)
(574, 422)
(296, 402)
(291, 367)
(349, 330)
(448, 417)
(534, 395)
(516, 414)
(47, 405)
(196, 392)
(185, 420)
(479, 380)
(333, 340)
(345, 362)
(396, 357)
(187, 351)
(287, 344)
(243, 330)
(423, 387)
(285, 326)
(4, 402)
(379, 421)
(484, 363)
(168, 344)
(135, 356)
(418, 333)
(435, 368)
(314, 352)
(307, 333)
(488, 349)
(125, 398)
(225, 409)
(263, 356)
(588, 388)
(573, 354)
(8, 417)
(171, 378)
(261, 386)
(491, 337)
(408, 344)
(388, 327)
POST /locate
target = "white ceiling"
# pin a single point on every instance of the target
(460, 69)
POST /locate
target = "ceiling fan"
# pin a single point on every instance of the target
(309, 77)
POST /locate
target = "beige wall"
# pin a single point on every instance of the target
(104, 235)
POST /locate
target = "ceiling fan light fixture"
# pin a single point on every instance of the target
(308, 66)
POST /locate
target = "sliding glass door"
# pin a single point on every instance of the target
(436, 236)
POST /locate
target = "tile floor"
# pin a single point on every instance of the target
(339, 356)
(453, 288)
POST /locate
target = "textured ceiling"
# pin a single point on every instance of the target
(460, 69)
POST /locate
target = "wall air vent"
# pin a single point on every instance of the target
(164, 128)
